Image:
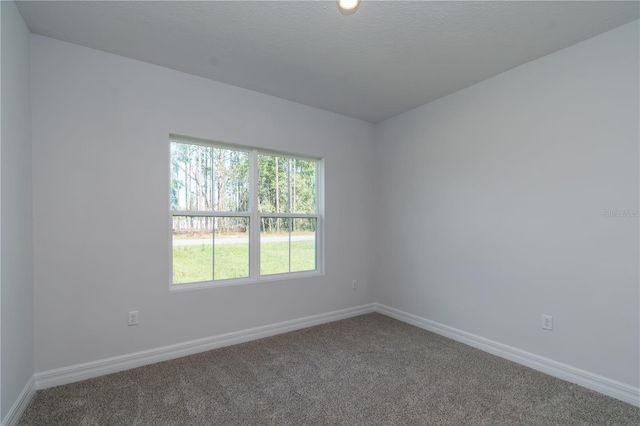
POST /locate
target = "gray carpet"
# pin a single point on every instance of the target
(367, 370)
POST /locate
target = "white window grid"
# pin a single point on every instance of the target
(254, 217)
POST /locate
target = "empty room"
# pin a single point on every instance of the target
(320, 212)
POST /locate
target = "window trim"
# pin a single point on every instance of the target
(254, 216)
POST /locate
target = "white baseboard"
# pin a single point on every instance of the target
(604, 385)
(75, 373)
(18, 407)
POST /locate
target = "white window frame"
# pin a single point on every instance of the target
(254, 217)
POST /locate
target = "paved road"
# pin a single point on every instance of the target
(241, 240)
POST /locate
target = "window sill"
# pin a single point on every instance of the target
(242, 281)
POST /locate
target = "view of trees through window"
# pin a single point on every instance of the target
(212, 213)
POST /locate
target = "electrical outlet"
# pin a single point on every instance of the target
(547, 322)
(354, 284)
(133, 318)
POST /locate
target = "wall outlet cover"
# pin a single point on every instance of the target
(547, 322)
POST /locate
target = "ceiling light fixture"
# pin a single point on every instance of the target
(348, 5)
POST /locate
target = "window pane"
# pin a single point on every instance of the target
(191, 181)
(192, 249)
(274, 246)
(287, 245)
(303, 245)
(205, 178)
(273, 182)
(303, 186)
(231, 248)
(210, 248)
(286, 185)
(230, 170)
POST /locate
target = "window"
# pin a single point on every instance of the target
(240, 214)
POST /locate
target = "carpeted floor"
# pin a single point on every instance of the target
(367, 370)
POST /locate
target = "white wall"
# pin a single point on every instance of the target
(16, 279)
(100, 157)
(495, 200)
(490, 206)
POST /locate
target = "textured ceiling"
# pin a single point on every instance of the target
(385, 59)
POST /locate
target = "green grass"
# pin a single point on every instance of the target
(197, 263)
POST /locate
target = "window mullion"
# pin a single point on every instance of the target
(290, 228)
(254, 221)
(203, 213)
(213, 251)
(319, 210)
(290, 215)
